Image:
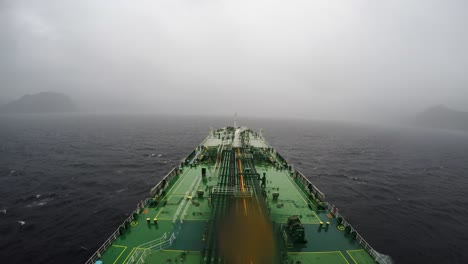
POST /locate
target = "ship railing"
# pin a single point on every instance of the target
(206, 139)
(299, 176)
(195, 158)
(305, 182)
(142, 251)
(379, 258)
(97, 255)
(153, 243)
(158, 187)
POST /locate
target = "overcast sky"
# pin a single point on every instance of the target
(306, 58)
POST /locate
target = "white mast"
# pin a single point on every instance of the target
(235, 120)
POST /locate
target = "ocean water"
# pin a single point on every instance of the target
(68, 181)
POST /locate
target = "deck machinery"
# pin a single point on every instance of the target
(235, 199)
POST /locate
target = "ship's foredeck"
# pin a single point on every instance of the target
(180, 221)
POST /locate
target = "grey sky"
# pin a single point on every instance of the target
(320, 59)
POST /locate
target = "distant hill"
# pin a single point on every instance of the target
(44, 102)
(443, 117)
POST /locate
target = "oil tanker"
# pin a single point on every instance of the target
(235, 199)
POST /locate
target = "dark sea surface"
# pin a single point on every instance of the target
(74, 178)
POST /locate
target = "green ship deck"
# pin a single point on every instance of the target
(229, 201)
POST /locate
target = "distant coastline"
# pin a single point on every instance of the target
(43, 102)
(443, 117)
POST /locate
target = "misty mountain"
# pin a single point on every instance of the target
(44, 102)
(443, 117)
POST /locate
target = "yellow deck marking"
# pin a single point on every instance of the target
(175, 250)
(160, 210)
(344, 257)
(125, 248)
(294, 185)
(321, 252)
(295, 188)
(170, 219)
(314, 252)
(316, 216)
(118, 246)
(178, 185)
(167, 194)
(355, 250)
(129, 254)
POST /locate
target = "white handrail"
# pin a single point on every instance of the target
(168, 178)
(111, 239)
(138, 256)
(376, 255)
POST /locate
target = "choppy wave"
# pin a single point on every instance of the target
(40, 202)
(402, 189)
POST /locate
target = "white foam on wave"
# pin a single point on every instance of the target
(40, 203)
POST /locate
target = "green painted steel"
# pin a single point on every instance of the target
(191, 207)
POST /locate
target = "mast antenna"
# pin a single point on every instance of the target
(235, 120)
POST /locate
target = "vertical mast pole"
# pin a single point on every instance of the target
(235, 120)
